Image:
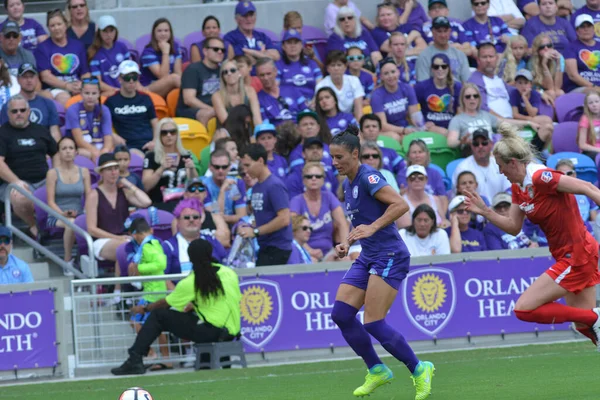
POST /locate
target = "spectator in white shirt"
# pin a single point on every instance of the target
(423, 237)
(508, 11)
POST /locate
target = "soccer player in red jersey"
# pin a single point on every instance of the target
(545, 196)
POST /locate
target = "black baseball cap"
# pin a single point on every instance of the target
(442, 2)
(311, 141)
(480, 132)
(26, 67)
(440, 22)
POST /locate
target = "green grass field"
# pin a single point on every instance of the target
(548, 372)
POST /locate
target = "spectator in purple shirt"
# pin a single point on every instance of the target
(33, 32)
(370, 128)
(61, 61)
(411, 12)
(302, 231)
(463, 238)
(591, 8)
(482, 28)
(266, 135)
(560, 30)
(526, 102)
(80, 25)
(387, 23)
(326, 106)
(323, 210)
(348, 32)
(161, 60)
(312, 151)
(271, 208)
(309, 126)
(582, 57)
(211, 27)
(356, 62)
(496, 238)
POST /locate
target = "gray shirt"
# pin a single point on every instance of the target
(14, 62)
(205, 80)
(466, 124)
(458, 63)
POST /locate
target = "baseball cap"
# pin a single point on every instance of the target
(455, 202)
(311, 141)
(291, 34)
(440, 22)
(264, 128)
(525, 74)
(106, 160)
(197, 181)
(105, 21)
(11, 26)
(128, 67)
(244, 7)
(442, 2)
(416, 169)
(501, 198)
(442, 57)
(583, 18)
(307, 113)
(480, 132)
(5, 232)
(26, 67)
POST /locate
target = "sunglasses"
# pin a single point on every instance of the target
(75, 6)
(191, 217)
(93, 81)
(358, 57)
(440, 66)
(18, 110)
(217, 167)
(11, 35)
(311, 176)
(131, 78)
(5, 241)
(368, 156)
(481, 143)
(346, 18)
(570, 173)
(546, 46)
(218, 49)
(229, 71)
(165, 132)
(461, 212)
(413, 178)
(471, 96)
(194, 189)
(481, 3)
(306, 228)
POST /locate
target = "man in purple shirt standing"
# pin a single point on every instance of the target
(271, 206)
(245, 39)
(560, 30)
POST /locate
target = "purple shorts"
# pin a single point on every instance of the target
(392, 269)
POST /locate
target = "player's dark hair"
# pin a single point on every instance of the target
(370, 117)
(206, 281)
(256, 151)
(348, 139)
(423, 208)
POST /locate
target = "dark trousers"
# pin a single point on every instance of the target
(272, 256)
(183, 325)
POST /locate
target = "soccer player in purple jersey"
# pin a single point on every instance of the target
(374, 278)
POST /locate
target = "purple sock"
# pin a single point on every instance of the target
(393, 342)
(344, 315)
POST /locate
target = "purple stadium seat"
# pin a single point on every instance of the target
(564, 137)
(567, 103)
(136, 165)
(192, 38)
(272, 35)
(135, 55)
(82, 246)
(546, 109)
(60, 109)
(162, 231)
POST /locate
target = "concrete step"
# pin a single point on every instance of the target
(39, 270)
(24, 252)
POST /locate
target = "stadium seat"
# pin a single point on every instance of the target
(41, 217)
(162, 230)
(584, 166)
(135, 56)
(193, 135)
(546, 109)
(172, 99)
(316, 37)
(272, 35)
(566, 106)
(204, 160)
(160, 105)
(445, 178)
(62, 113)
(451, 167)
(192, 38)
(437, 144)
(136, 165)
(77, 98)
(388, 142)
(564, 137)
(212, 126)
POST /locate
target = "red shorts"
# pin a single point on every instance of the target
(575, 278)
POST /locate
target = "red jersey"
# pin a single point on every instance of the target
(557, 214)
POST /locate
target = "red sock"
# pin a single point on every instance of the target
(556, 313)
(587, 333)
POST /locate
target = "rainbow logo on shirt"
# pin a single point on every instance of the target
(439, 104)
(590, 58)
(64, 64)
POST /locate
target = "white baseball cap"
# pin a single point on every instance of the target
(416, 169)
(582, 18)
(105, 21)
(456, 201)
(128, 67)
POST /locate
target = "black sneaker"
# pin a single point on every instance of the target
(130, 367)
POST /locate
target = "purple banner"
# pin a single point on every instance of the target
(27, 330)
(286, 312)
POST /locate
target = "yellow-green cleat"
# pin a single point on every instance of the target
(422, 382)
(377, 376)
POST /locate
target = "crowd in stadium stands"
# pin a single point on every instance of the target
(98, 125)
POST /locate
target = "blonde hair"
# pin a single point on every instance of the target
(313, 164)
(513, 146)
(508, 59)
(345, 11)
(591, 132)
(297, 221)
(223, 86)
(536, 61)
(466, 86)
(159, 150)
(403, 61)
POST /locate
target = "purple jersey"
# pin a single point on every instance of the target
(417, 17)
(456, 36)
(364, 42)
(340, 122)
(516, 100)
(30, 30)
(299, 255)
(94, 125)
(151, 57)
(588, 62)
(471, 239)
(67, 63)
(269, 197)
(363, 209)
(437, 105)
(239, 41)
(367, 82)
(497, 239)
(394, 105)
(435, 183)
(380, 35)
(278, 166)
(105, 63)
(561, 32)
(284, 108)
(488, 32)
(392, 161)
(299, 76)
(295, 158)
(295, 184)
(322, 235)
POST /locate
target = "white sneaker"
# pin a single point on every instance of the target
(67, 272)
(596, 327)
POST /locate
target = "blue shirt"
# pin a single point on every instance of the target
(269, 197)
(234, 197)
(43, 112)
(15, 271)
(239, 41)
(363, 209)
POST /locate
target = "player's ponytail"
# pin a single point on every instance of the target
(348, 139)
(512, 145)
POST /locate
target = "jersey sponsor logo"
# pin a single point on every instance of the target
(36, 116)
(546, 176)
(130, 109)
(373, 179)
(26, 142)
(261, 311)
(299, 80)
(527, 208)
(355, 192)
